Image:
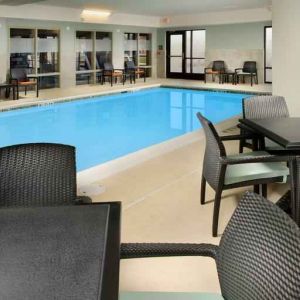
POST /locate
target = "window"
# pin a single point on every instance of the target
(268, 54)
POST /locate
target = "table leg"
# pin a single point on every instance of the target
(294, 166)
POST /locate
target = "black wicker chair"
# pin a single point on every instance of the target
(218, 68)
(249, 69)
(258, 257)
(38, 175)
(224, 172)
(262, 107)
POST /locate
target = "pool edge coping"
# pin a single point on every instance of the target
(84, 97)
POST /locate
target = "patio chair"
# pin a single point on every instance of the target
(248, 70)
(19, 77)
(132, 71)
(262, 107)
(113, 74)
(38, 175)
(218, 68)
(258, 256)
(224, 172)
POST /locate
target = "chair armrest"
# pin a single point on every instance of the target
(205, 69)
(142, 250)
(14, 80)
(254, 159)
(83, 200)
(118, 70)
(238, 69)
(235, 137)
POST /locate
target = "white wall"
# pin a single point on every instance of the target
(225, 17)
(3, 50)
(286, 51)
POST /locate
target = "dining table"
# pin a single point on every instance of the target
(61, 252)
(286, 133)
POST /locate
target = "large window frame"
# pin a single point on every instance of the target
(43, 77)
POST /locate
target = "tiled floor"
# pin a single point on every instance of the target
(160, 200)
(161, 204)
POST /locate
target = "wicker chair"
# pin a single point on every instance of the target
(249, 69)
(38, 175)
(113, 74)
(262, 107)
(132, 71)
(218, 68)
(258, 256)
(224, 172)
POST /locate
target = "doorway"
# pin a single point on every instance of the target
(186, 54)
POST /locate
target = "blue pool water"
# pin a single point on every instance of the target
(107, 127)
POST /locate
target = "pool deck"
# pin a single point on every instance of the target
(63, 94)
(160, 199)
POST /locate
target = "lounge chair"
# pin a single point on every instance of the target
(258, 256)
(133, 72)
(113, 74)
(248, 70)
(20, 79)
(224, 172)
(218, 68)
(38, 175)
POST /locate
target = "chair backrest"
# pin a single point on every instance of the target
(263, 107)
(19, 74)
(37, 175)
(213, 151)
(218, 65)
(249, 67)
(130, 64)
(259, 253)
(108, 66)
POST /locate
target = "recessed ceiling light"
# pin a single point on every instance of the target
(95, 13)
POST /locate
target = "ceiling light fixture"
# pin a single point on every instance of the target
(94, 15)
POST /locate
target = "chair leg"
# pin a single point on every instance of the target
(25, 90)
(264, 190)
(204, 77)
(241, 147)
(256, 189)
(216, 213)
(203, 188)
(251, 79)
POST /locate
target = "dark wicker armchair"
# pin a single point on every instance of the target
(38, 175)
(224, 172)
(20, 78)
(218, 68)
(249, 69)
(258, 257)
(113, 74)
(262, 107)
(133, 71)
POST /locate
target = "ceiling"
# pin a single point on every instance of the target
(153, 7)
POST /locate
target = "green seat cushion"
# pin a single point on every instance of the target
(168, 296)
(251, 171)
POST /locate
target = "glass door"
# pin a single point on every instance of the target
(175, 54)
(186, 54)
